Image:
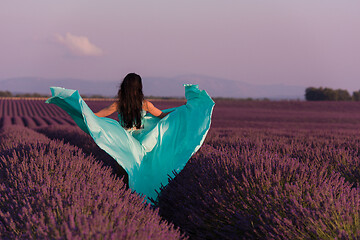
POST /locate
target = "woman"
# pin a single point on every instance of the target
(150, 147)
(131, 103)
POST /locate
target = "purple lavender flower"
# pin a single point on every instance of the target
(266, 184)
(51, 190)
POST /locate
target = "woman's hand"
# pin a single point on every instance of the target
(162, 115)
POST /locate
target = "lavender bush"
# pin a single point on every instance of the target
(244, 185)
(76, 137)
(51, 190)
(268, 170)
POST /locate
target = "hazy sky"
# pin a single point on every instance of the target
(296, 42)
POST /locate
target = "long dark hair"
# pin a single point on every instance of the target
(130, 100)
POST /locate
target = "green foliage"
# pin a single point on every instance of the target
(327, 94)
(97, 96)
(23, 95)
(30, 95)
(342, 95)
(356, 96)
(314, 94)
(5, 94)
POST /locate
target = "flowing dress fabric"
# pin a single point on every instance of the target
(151, 154)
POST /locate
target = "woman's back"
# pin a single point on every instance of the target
(142, 114)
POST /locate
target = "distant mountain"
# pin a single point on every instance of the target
(42, 85)
(218, 87)
(163, 87)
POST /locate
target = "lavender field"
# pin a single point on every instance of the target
(267, 170)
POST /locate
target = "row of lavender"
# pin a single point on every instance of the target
(293, 115)
(52, 190)
(31, 107)
(35, 121)
(296, 178)
(27, 107)
(239, 114)
(269, 184)
(36, 113)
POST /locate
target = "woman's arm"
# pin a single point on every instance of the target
(153, 110)
(107, 111)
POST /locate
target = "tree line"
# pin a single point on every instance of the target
(38, 95)
(9, 94)
(328, 94)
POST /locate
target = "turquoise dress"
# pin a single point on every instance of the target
(151, 154)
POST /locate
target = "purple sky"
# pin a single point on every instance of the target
(307, 42)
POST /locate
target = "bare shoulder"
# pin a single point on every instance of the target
(149, 107)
